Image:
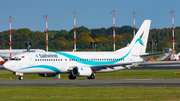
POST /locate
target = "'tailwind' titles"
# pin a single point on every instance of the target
(48, 55)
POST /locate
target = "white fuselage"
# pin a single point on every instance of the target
(61, 62)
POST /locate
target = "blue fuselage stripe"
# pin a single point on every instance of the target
(89, 62)
(43, 66)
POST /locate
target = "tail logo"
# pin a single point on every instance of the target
(140, 40)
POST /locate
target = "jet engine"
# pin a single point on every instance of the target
(48, 75)
(81, 71)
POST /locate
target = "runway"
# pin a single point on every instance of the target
(95, 82)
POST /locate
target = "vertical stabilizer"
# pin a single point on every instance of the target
(139, 42)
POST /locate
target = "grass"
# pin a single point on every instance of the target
(105, 93)
(124, 74)
(93, 93)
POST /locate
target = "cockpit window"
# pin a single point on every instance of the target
(12, 58)
(16, 59)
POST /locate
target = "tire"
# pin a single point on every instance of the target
(92, 76)
(72, 77)
(20, 77)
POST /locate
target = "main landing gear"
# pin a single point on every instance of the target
(92, 76)
(72, 77)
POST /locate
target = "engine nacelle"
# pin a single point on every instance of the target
(47, 75)
(81, 71)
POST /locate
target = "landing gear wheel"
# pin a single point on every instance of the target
(92, 76)
(72, 77)
(20, 77)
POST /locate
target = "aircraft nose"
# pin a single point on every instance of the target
(7, 65)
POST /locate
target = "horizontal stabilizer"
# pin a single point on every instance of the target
(150, 54)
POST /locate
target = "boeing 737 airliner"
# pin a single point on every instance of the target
(85, 64)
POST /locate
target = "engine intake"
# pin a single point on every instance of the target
(81, 71)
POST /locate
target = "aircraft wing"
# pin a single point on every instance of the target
(100, 67)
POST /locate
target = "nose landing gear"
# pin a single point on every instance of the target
(20, 77)
(19, 74)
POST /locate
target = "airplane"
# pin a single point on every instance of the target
(82, 64)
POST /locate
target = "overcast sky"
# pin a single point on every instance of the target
(91, 13)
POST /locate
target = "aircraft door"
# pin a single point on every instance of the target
(31, 61)
(19, 64)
